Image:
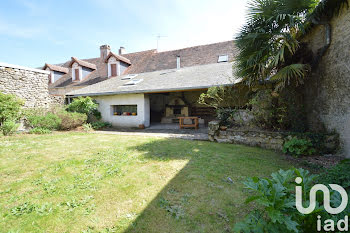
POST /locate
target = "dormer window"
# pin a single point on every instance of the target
(81, 69)
(76, 72)
(116, 64)
(56, 72)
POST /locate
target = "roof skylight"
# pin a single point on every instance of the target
(128, 77)
(223, 58)
(133, 82)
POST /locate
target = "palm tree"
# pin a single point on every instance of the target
(271, 37)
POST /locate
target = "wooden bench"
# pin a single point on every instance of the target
(194, 122)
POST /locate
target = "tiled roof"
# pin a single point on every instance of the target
(118, 57)
(56, 68)
(189, 78)
(150, 60)
(83, 63)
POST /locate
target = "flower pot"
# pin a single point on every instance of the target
(142, 126)
(125, 113)
(134, 114)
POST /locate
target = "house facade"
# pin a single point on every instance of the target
(146, 87)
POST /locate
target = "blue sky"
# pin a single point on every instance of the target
(34, 32)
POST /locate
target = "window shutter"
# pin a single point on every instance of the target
(76, 74)
(113, 70)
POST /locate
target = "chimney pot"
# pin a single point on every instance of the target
(104, 51)
(122, 50)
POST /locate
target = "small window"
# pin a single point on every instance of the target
(124, 110)
(133, 82)
(223, 58)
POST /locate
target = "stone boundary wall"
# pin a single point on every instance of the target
(29, 84)
(259, 138)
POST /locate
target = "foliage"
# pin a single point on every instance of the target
(39, 130)
(87, 127)
(85, 105)
(276, 210)
(298, 147)
(225, 96)
(269, 39)
(100, 125)
(43, 120)
(339, 174)
(8, 127)
(69, 120)
(10, 108)
(276, 200)
(226, 116)
(327, 9)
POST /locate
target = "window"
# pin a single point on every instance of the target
(113, 70)
(223, 58)
(76, 74)
(124, 110)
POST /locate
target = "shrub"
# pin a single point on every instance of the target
(100, 125)
(10, 107)
(225, 116)
(339, 174)
(87, 106)
(43, 120)
(298, 147)
(87, 127)
(70, 120)
(8, 127)
(39, 131)
(276, 210)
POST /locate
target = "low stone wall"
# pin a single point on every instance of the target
(29, 84)
(264, 139)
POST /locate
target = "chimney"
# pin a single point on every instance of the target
(104, 51)
(122, 50)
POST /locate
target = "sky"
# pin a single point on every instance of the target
(33, 32)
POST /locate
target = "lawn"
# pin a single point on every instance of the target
(85, 182)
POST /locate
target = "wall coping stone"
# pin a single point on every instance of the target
(2, 64)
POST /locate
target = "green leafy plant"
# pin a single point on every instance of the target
(100, 124)
(225, 116)
(39, 130)
(87, 106)
(43, 120)
(298, 147)
(87, 127)
(70, 120)
(339, 174)
(10, 112)
(9, 127)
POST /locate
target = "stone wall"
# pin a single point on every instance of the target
(260, 138)
(327, 91)
(29, 84)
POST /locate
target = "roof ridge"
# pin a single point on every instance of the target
(197, 46)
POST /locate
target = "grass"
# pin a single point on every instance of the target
(81, 182)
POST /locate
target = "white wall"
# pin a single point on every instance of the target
(143, 109)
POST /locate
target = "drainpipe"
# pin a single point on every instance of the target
(328, 38)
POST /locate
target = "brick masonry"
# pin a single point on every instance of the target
(31, 85)
(328, 88)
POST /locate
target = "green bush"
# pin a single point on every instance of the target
(43, 120)
(276, 210)
(70, 120)
(40, 131)
(10, 112)
(100, 125)
(339, 174)
(87, 127)
(225, 116)
(9, 127)
(10, 107)
(87, 106)
(298, 147)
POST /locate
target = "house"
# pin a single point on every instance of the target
(135, 89)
